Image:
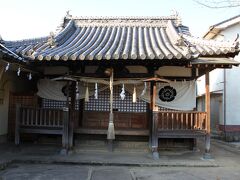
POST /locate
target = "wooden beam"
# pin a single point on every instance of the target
(24, 65)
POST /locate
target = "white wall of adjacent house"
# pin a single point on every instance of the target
(232, 81)
(233, 96)
(216, 89)
(216, 82)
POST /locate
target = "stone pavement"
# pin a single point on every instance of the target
(45, 162)
(50, 154)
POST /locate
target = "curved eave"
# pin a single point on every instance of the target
(214, 61)
(136, 39)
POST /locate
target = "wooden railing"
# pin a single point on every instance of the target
(42, 121)
(179, 120)
(36, 117)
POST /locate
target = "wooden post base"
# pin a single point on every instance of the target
(207, 156)
(64, 151)
(155, 153)
(110, 145)
(207, 143)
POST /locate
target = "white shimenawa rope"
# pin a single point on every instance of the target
(96, 91)
(122, 94)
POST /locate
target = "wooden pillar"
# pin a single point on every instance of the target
(17, 124)
(66, 117)
(80, 112)
(149, 118)
(154, 139)
(65, 137)
(71, 113)
(207, 109)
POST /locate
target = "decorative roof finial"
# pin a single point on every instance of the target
(175, 12)
(176, 15)
(51, 40)
(68, 15)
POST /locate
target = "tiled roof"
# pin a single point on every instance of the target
(6, 52)
(120, 38)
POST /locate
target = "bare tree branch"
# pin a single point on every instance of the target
(217, 4)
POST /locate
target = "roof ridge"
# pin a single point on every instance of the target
(171, 17)
(25, 41)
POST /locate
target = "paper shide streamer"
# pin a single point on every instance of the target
(122, 94)
(96, 91)
(77, 90)
(19, 71)
(7, 67)
(145, 89)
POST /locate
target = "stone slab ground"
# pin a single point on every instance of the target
(44, 162)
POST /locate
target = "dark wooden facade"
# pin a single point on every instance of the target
(153, 48)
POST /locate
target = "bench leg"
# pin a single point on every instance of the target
(17, 137)
(17, 124)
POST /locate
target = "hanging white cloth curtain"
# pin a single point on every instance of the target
(179, 95)
(50, 89)
(183, 99)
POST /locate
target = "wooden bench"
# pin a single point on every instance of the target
(40, 121)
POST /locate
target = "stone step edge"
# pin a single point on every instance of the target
(5, 165)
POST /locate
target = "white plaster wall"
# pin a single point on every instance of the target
(230, 33)
(216, 82)
(233, 96)
(12, 83)
(232, 80)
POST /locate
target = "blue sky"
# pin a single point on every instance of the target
(20, 19)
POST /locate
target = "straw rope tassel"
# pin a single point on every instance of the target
(87, 95)
(111, 131)
(134, 100)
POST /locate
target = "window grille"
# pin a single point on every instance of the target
(126, 105)
(48, 103)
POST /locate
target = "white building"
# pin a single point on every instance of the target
(224, 85)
